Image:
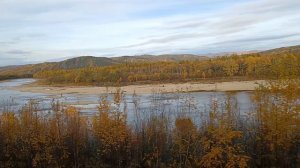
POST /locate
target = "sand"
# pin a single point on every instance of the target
(143, 89)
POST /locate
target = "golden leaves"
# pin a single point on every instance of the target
(267, 66)
(222, 138)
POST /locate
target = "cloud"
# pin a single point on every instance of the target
(39, 30)
(163, 40)
(5, 61)
(255, 40)
(18, 52)
(237, 19)
(4, 43)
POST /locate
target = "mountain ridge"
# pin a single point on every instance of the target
(93, 61)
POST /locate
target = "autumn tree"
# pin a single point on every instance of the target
(186, 143)
(277, 121)
(112, 133)
(9, 133)
(220, 142)
(76, 135)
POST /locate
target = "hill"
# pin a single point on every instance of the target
(9, 72)
(91, 61)
(160, 58)
(84, 61)
(291, 49)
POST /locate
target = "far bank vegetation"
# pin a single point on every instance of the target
(245, 67)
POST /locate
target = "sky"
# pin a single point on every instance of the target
(33, 31)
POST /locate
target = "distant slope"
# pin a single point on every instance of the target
(8, 67)
(91, 61)
(84, 61)
(25, 70)
(159, 58)
(291, 49)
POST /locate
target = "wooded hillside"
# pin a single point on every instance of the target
(252, 66)
(24, 71)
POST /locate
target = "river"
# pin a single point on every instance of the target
(176, 103)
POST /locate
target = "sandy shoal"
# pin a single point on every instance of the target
(144, 89)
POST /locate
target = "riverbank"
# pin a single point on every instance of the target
(143, 89)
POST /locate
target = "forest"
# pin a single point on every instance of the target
(267, 136)
(247, 67)
(13, 76)
(149, 83)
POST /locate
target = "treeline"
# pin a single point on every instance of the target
(253, 66)
(268, 137)
(13, 76)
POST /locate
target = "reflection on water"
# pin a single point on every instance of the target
(177, 103)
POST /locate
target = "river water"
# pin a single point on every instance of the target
(176, 103)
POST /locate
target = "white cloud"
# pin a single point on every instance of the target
(60, 28)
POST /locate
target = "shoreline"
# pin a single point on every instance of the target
(143, 89)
